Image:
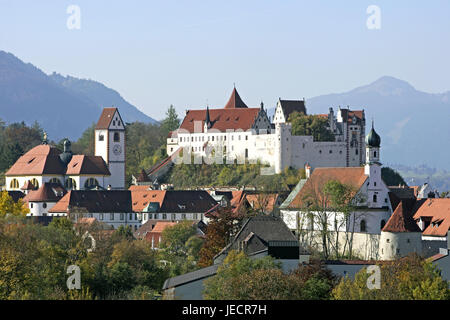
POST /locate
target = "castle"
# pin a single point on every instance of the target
(239, 134)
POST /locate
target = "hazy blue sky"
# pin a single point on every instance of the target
(185, 53)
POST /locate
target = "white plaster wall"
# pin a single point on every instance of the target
(399, 244)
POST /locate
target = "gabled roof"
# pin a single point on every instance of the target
(81, 164)
(190, 277)
(106, 118)
(235, 101)
(42, 159)
(48, 192)
(290, 106)
(143, 177)
(173, 201)
(94, 201)
(401, 219)
(221, 119)
(16, 195)
(438, 212)
(347, 115)
(264, 230)
(353, 176)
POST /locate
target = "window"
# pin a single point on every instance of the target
(246, 137)
(14, 184)
(101, 137)
(91, 183)
(331, 151)
(174, 216)
(356, 151)
(35, 183)
(374, 154)
(114, 122)
(382, 224)
(164, 216)
(374, 183)
(44, 205)
(131, 216)
(71, 184)
(362, 226)
(101, 216)
(374, 198)
(246, 153)
(183, 216)
(195, 216)
(55, 181)
(121, 216)
(111, 216)
(116, 137)
(31, 205)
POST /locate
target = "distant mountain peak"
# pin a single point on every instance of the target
(387, 85)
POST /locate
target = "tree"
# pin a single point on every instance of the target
(8, 206)
(222, 286)
(310, 125)
(408, 278)
(327, 207)
(392, 177)
(171, 122)
(244, 278)
(218, 234)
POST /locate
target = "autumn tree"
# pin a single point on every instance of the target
(409, 278)
(8, 206)
(220, 229)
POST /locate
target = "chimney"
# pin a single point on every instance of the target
(307, 170)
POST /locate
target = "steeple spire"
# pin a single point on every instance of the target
(207, 119)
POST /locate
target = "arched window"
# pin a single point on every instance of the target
(55, 180)
(374, 154)
(362, 226)
(116, 137)
(14, 184)
(35, 183)
(71, 184)
(374, 198)
(91, 183)
(382, 224)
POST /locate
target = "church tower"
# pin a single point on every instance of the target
(110, 144)
(376, 189)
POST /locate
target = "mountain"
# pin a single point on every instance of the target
(63, 106)
(414, 126)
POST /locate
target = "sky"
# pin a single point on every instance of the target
(190, 53)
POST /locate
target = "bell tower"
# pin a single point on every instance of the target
(110, 145)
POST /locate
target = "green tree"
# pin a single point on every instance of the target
(171, 122)
(310, 125)
(392, 177)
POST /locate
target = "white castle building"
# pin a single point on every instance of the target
(239, 133)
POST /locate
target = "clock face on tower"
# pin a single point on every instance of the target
(117, 149)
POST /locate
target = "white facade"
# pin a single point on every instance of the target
(275, 147)
(399, 244)
(110, 145)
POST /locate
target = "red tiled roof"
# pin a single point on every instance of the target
(157, 232)
(401, 219)
(235, 101)
(353, 176)
(438, 211)
(42, 159)
(48, 192)
(81, 164)
(105, 118)
(28, 186)
(222, 119)
(141, 198)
